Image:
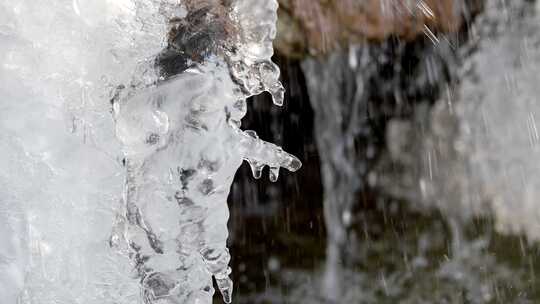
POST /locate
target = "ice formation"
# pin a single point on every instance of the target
(156, 172)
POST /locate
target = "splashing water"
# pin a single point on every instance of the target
(476, 155)
(498, 117)
(179, 145)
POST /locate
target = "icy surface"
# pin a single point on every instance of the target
(182, 151)
(60, 174)
(155, 173)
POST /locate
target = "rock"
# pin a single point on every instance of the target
(319, 26)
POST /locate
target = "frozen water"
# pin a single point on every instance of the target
(60, 175)
(182, 153)
(156, 173)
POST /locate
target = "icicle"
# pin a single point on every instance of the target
(188, 125)
(274, 174)
(225, 286)
(256, 168)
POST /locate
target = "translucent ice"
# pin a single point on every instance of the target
(66, 181)
(183, 145)
(60, 177)
(182, 153)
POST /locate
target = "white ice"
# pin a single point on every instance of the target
(63, 184)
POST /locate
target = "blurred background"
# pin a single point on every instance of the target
(416, 125)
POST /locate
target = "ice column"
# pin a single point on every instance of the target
(182, 145)
(60, 170)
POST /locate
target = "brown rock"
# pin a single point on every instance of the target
(318, 26)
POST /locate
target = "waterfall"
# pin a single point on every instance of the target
(353, 94)
(341, 117)
(156, 172)
(498, 118)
